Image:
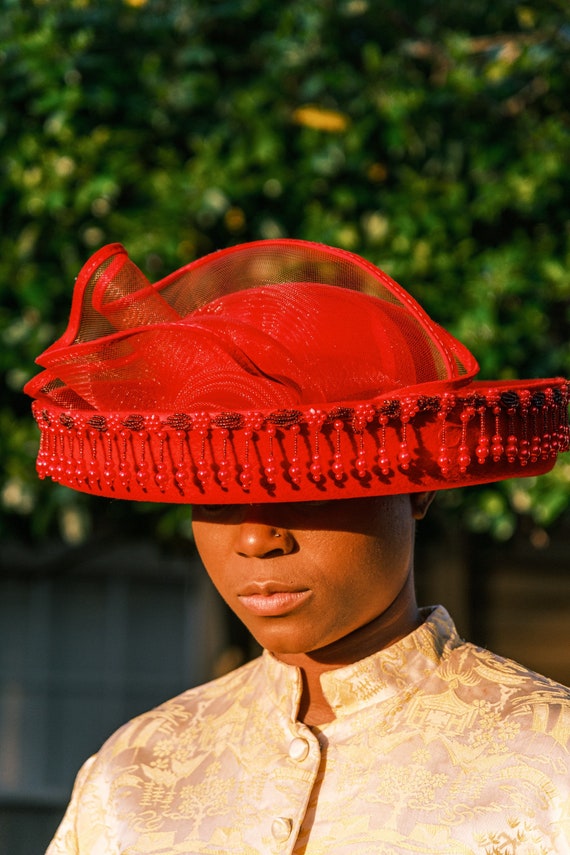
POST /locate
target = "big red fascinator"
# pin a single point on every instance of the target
(275, 371)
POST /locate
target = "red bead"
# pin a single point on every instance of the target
(143, 477)
(270, 470)
(482, 450)
(338, 468)
(316, 471)
(360, 465)
(246, 477)
(404, 456)
(496, 447)
(512, 448)
(384, 463)
(295, 471)
(180, 475)
(224, 471)
(464, 460)
(444, 461)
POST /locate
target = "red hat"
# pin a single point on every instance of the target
(279, 371)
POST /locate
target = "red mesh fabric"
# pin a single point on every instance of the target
(272, 324)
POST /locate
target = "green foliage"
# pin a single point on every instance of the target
(432, 138)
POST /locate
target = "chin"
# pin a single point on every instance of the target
(284, 648)
(280, 645)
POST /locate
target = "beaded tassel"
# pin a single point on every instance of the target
(447, 404)
(245, 476)
(338, 466)
(114, 446)
(93, 464)
(404, 455)
(295, 471)
(124, 469)
(108, 467)
(269, 468)
(180, 468)
(512, 448)
(80, 470)
(556, 442)
(464, 458)
(202, 422)
(547, 435)
(361, 463)
(59, 453)
(564, 427)
(363, 415)
(41, 461)
(535, 444)
(142, 468)
(408, 409)
(253, 422)
(316, 419)
(482, 451)
(224, 466)
(70, 464)
(497, 447)
(383, 458)
(524, 444)
(52, 451)
(161, 474)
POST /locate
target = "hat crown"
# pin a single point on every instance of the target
(268, 324)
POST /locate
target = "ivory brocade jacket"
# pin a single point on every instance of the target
(438, 746)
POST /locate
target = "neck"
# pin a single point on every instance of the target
(401, 618)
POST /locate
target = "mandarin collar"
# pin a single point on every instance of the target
(386, 673)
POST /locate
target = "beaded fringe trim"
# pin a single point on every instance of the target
(149, 451)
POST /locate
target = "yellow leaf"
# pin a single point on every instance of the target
(321, 119)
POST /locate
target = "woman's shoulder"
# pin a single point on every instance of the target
(509, 690)
(203, 706)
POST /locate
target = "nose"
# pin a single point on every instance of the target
(258, 538)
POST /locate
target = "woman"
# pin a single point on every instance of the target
(308, 409)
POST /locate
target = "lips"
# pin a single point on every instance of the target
(271, 599)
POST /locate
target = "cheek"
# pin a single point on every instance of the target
(394, 525)
(212, 548)
(378, 566)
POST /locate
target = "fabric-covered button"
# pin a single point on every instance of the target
(281, 828)
(298, 749)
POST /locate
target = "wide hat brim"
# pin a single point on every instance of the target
(123, 426)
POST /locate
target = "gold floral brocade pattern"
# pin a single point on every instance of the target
(437, 747)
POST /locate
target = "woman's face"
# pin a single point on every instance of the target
(301, 576)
